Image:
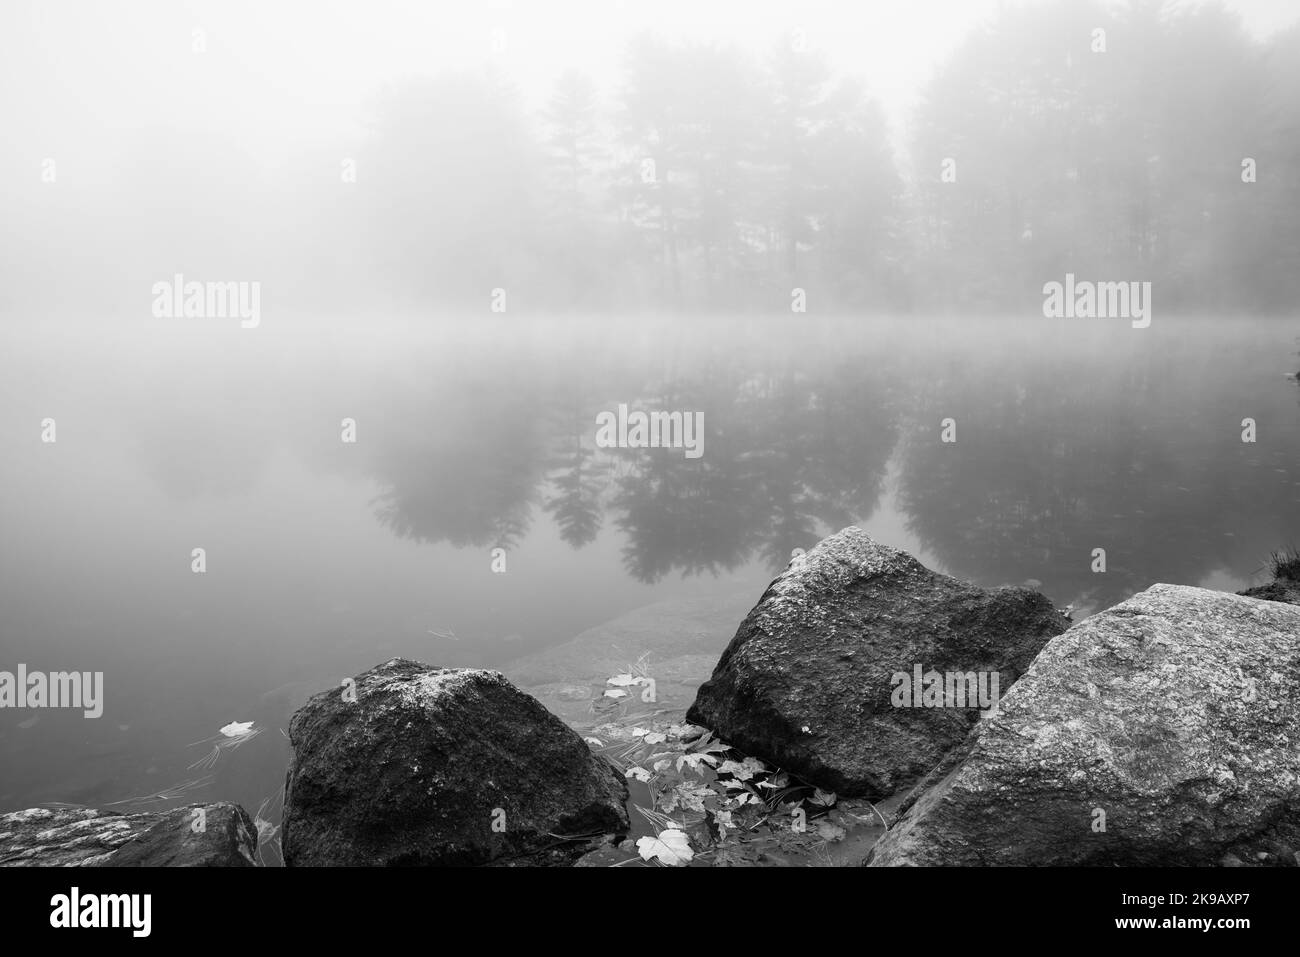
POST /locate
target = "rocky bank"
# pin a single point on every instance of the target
(810, 680)
(199, 835)
(1165, 730)
(414, 765)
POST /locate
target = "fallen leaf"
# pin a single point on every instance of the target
(694, 761)
(710, 744)
(743, 770)
(670, 847)
(689, 796)
(735, 768)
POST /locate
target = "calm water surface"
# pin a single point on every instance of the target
(325, 558)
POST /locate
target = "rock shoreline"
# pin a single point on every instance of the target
(1141, 737)
(431, 766)
(1162, 731)
(198, 835)
(807, 683)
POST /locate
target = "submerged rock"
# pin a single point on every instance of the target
(1163, 731)
(434, 766)
(200, 835)
(810, 682)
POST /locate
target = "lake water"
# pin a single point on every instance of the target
(325, 557)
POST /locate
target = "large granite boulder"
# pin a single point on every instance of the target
(813, 680)
(435, 766)
(1163, 731)
(199, 835)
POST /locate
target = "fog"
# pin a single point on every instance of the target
(615, 159)
(230, 229)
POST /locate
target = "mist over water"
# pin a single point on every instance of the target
(339, 294)
(324, 558)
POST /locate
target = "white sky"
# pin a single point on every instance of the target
(276, 71)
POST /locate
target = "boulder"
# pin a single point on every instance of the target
(1163, 731)
(809, 681)
(83, 837)
(437, 766)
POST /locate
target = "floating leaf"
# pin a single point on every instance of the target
(641, 774)
(823, 798)
(622, 681)
(690, 796)
(671, 847)
(710, 744)
(655, 737)
(738, 799)
(744, 770)
(615, 693)
(694, 761)
(235, 729)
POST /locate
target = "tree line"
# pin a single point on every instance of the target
(1115, 144)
